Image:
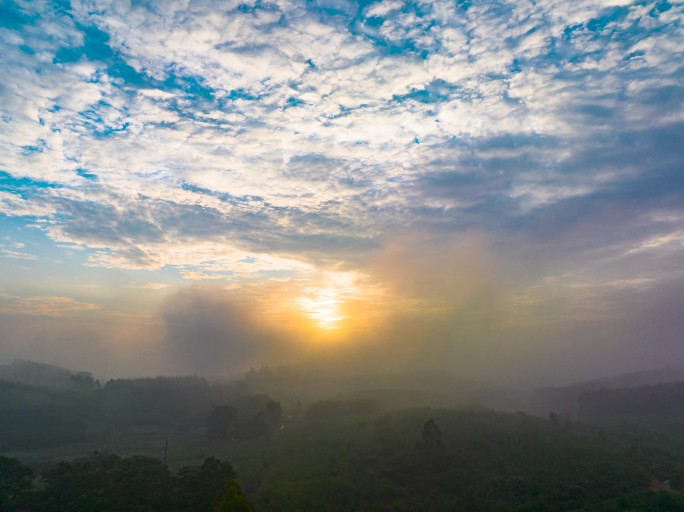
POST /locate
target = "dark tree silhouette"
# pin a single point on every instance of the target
(231, 499)
(198, 486)
(431, 438)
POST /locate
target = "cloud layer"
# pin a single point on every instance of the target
(247, 143)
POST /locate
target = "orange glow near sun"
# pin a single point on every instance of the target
(323, 307)
(335, 306)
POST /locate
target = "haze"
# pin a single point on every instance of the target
(490, 189)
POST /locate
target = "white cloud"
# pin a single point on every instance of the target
(310, 128)
(17, 255)
(382, 9)
(14, 205)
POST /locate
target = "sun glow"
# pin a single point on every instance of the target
(337, 305)
(323, 306)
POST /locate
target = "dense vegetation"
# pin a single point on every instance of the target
(37, 417)
(108, 483)
(40, 417)
(446, 460)
(353, 453)
(420, 459)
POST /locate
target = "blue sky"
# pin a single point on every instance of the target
(511, 170)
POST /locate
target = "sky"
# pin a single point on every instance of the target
(494, 188)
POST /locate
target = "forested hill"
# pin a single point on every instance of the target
(47, 375)
(564, 399)
(665, 399)
(40, 417)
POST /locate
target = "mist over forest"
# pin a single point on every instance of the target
(284, 439)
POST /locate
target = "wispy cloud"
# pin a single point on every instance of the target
(50, 306)
(150, 286)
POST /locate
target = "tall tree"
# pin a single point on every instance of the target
(431, 438)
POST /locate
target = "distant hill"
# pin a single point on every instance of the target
(37, 417)
(564, 399)
(390, 390)
(47, 375)
(634, 379)
(664, 399)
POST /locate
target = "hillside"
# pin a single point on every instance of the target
(564, 399)
(665, 399)
(47, 375)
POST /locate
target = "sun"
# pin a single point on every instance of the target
(323, 306)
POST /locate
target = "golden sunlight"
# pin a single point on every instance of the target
(323, 306)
